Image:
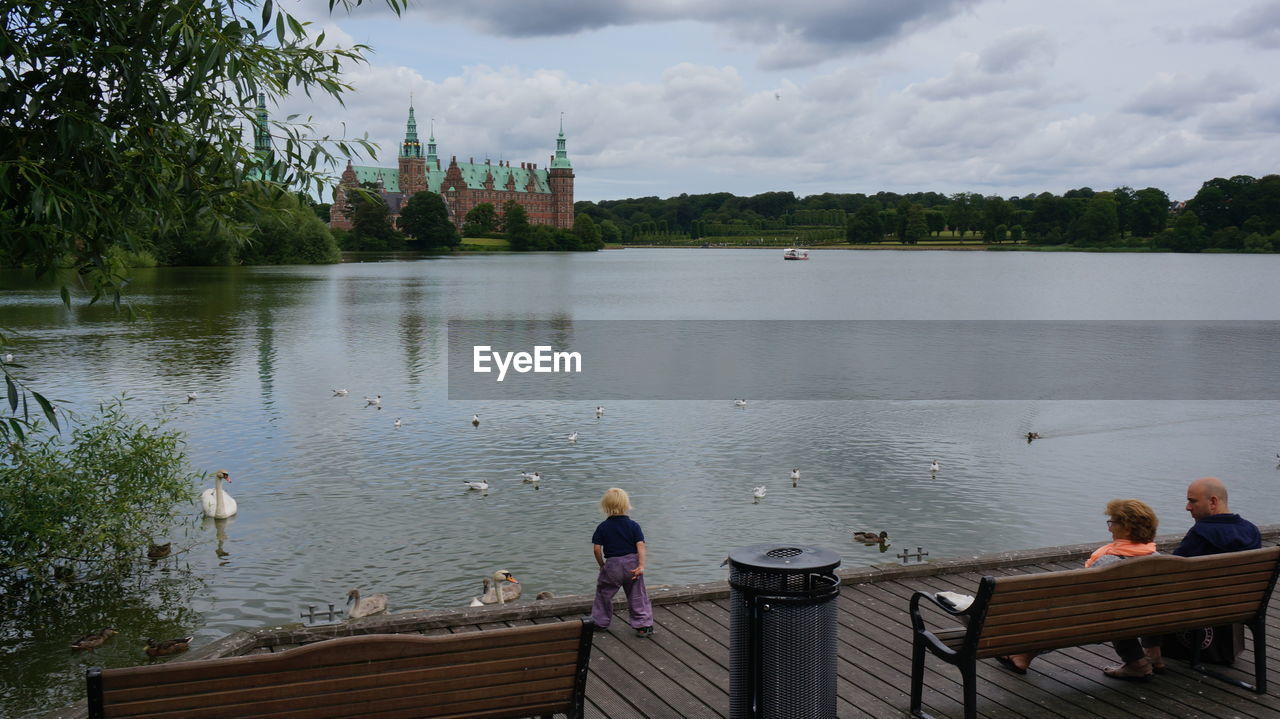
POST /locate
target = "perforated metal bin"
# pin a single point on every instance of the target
(782, 632)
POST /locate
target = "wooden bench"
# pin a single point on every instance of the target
(537, 670)
(1145, 596)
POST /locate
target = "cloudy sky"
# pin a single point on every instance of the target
(662, 97)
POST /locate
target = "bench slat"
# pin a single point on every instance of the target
(340, 651)
(1065, 609)
(262, 675)
(1165, 565)
(1099, 582)
(559, 670)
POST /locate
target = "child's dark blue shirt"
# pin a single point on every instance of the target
(618, 535)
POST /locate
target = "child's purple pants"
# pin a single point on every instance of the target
(615, 574)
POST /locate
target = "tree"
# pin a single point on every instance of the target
(995, 211)
(515, 222)
(936, 220)
(610, 234)
(1186, 235)
(864, 225)
(426, 219)
(1098, 224)
(587, 234)
(118, 120)
(371, 224)
(1150, 212)
(480, 220)
(1015, 234)
(287, 232)
(997, 234)
(917, 228)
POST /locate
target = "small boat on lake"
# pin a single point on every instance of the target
(795, 253)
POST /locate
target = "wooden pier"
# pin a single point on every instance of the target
(683, 669)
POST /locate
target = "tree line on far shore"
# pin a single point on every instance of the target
(1240, 214)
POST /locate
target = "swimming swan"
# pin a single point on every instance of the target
(216, 502)
(496, 591)
(372, 604)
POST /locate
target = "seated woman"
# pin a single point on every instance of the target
(1133, 529)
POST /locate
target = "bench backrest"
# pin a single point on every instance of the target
(519, 672)
(1136, 597)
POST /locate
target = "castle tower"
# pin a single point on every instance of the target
(560, 177)
(413, 174)
(433, 162)
(338, 210)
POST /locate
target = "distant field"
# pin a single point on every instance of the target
(484, 243)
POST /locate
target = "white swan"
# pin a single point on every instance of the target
(340, 393)
(496, 591)
(475, 420)
(482, 485)
(373, 604)
(599, 411)
(573, 437)
(740, 403)
(935, 466)
(216, 502)
(758, 493)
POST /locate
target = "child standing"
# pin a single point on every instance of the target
(619, 548)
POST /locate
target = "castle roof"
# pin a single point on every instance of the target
(473, 174)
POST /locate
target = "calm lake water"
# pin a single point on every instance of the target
(332, 495)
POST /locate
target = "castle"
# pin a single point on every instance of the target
(545, 193)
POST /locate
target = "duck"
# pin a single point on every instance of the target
(397, 422)
(372, 604)
(93, 640)
(340, 393)
(1031, 436)
(573, 437)
(758, 493)
(159, 551)
(871, 537)
(599, 411)
(216, 502)
(482, 485)
(935, 466)
(165, 647)
(739, 403)
(192, 396)
(475, 420)
(497, 592)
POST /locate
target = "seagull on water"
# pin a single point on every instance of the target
(341, 393)
(740, 403)
(795, 477)
(373, 401)
(475, 420)
(8, 357)
(397, 422)
(935, 467)
(758, 493)
(573, 437)
(482, 485)
(599, 410)
(191, 396)
(530, 476)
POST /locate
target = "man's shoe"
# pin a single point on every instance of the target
(645, 631)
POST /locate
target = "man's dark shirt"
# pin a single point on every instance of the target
(1217, 534)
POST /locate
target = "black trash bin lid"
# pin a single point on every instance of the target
(784, 558)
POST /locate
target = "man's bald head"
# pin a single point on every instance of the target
(1207, 496)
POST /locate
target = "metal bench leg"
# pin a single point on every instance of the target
(917, 673)
(1258, 629)
(969, 672)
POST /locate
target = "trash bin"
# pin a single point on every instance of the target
(782, 632)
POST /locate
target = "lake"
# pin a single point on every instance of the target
(332, 495)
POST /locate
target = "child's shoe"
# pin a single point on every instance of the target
(645, 631)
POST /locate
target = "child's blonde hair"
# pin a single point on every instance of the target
(615, 502)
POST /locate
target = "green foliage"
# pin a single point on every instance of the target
(865, 225)
(1186, 235)
(1150, 212)
(515, 223)
(1258, 243)
(916, 227)
(371, 229)
(119, 121)
(586, 234)
(90, 503)
(1015, 233)
(1098, 224)
(997, 234)
(426, 219)
(285, 231)
(480, 220)
(609, 232)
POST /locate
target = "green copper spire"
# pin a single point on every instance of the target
(432, 161)
(261, 133)
(411, 147)
(562, 156)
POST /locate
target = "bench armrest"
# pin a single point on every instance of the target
(918, 626)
